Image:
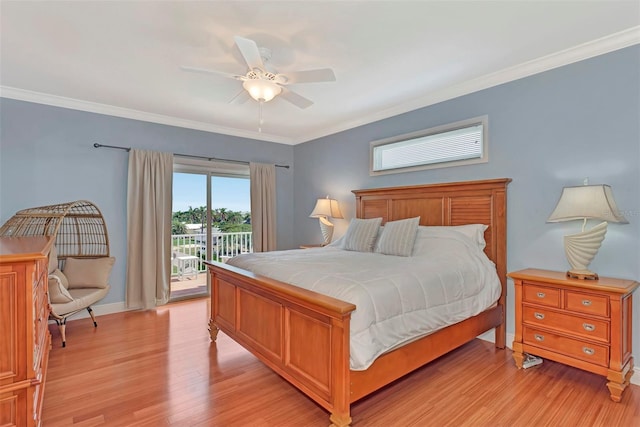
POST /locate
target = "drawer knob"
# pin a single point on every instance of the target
(541, 294)
(586, 302)
(588, 351)
(589, 327)
(538, 316)
(538, 337)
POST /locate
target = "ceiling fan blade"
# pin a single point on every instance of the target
(250, 52)
(207, 71)
(310, 76)
(240, 98)
(297, 100)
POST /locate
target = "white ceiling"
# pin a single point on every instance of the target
(123, 58)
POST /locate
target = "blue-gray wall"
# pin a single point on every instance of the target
(546, 131)
(47, 157)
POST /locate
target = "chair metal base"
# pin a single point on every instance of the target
(62, 323)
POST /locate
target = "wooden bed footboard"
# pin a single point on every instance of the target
(304, 336)
(300, 334)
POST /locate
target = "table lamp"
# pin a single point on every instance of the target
(324, 209)
(583, 203)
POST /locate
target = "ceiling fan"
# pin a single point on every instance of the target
(264, 85)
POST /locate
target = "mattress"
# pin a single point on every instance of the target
(398, 299)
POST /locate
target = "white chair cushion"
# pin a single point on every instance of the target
(82, 298)
(60, 275)
(53, 259)
(58, 294)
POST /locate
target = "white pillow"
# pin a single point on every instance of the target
(398, 237)
(89, 272)
(474, 233)
(58, 294)
(361, 234)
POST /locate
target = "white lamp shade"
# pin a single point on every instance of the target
(582, 203)
(326, 208)
(262, 90)
(587, 201)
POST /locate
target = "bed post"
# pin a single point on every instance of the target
(340, 376)
(213, 330)
(500, 222)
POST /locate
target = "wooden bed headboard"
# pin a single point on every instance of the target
(452, 203)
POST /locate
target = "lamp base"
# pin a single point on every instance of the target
(582, 274)
(327, 230)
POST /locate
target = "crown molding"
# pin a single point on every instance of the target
(581, 52)
(577, 53)
(110, 110)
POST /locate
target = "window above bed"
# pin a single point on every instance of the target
(454, 144)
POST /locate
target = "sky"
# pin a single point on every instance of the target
(191, 190)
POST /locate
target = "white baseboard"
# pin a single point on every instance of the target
(100, 310)
(490, 336)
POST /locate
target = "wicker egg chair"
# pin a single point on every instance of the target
(80, 233)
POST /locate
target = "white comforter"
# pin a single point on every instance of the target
(398, 299)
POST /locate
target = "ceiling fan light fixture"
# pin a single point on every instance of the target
(262, 90)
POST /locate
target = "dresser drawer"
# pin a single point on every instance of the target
(587, 303)
(570, 324)
(541, 295)
(588, 352)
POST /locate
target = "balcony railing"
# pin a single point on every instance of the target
(189, 250)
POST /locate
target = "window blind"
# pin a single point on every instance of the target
(448, 146)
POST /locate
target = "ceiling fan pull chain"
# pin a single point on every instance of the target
(260, 121)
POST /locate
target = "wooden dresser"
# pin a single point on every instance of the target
(25, 340)
(582, 323)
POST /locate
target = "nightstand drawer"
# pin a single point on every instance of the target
(588, 352)
(573, 325)
(541, 295)
(587, 303)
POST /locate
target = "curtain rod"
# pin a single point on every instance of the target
(127, 149)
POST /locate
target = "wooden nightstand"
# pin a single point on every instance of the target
(310, 246)
(582, 323)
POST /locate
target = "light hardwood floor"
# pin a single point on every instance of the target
(159, 368)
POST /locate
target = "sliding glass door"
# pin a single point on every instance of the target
(211, 221)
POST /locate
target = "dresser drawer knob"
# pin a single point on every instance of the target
(538, 337)
(588, 351)
(538, 316)
(589, 327)
(586, 302)
(541, 294)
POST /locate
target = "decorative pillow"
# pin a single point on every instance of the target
(398, 237)
(53, 259)
(58, 294)
(361, 234)
(88, 273)
(60, 276)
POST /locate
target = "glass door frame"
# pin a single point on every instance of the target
(208, 169)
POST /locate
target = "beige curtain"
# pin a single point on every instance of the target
(149, 193)
(263, 206)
